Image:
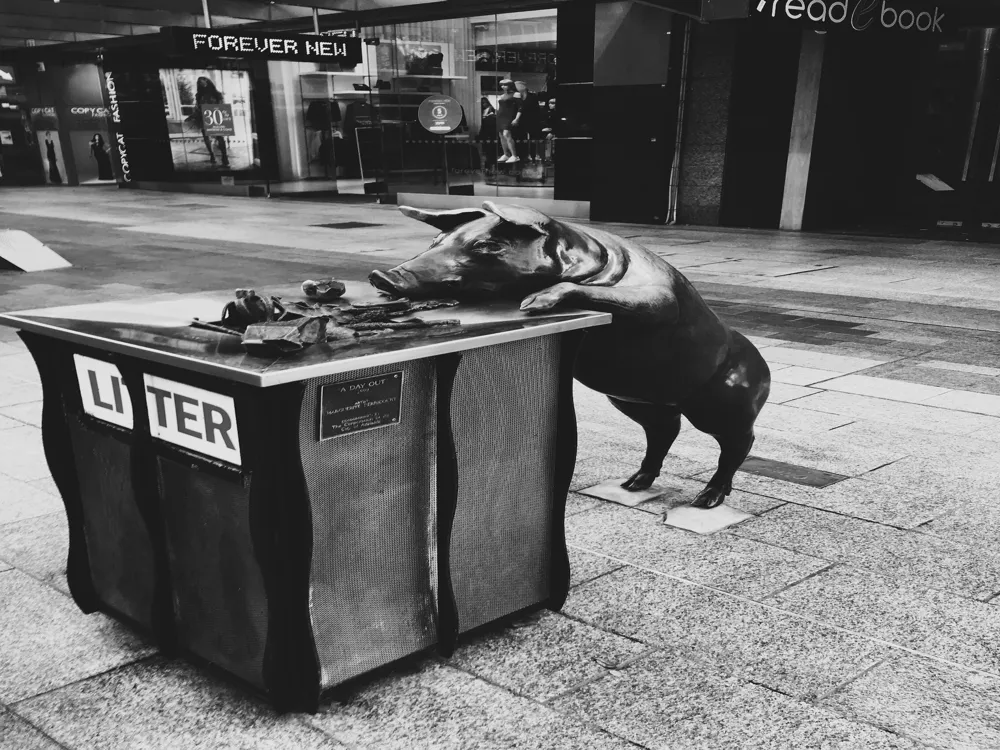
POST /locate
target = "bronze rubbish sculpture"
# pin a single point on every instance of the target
(666, 354)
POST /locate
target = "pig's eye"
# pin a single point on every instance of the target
(487, 247)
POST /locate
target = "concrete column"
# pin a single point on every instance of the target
(803, 127)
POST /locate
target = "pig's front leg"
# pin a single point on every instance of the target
(640, 302)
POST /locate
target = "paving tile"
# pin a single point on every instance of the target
(903, 506)
(668, 700)
(978, 403)
(39, 547)
(907, 556)
(926, 701)
(916, 441)
(958, 367)
(976, 522)
(29, 413)
(578, 503)
(17, 734)
(436, 706)
(772, 648)
(909, 370)
(778, 490)
(48, 642)
(729, 562)
(827, 451)
(613, 492)
(946, 477)
(12, 347)
(21, 500)
(936, 623)
(545, 655)
(703, 520)
(21, 454)
(20, 367)
(820, 360)
(19, 392)
(894, 390)
(162, 704)
(46, 484)
(795, 375)
(586, 566)
(898, 412)
(784, 392)
(790, 418)
(7, 422)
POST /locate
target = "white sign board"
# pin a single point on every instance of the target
(196, 419)
(103, 393)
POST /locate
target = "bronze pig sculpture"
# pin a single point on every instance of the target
(665, 354)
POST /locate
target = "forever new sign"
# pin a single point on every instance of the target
(858, 15)
(273, 46)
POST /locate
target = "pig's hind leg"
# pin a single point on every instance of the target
(726, 408)
(662, 425)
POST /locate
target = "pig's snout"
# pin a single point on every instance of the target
(391, 281)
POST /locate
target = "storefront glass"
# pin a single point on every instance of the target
(210, 119)
(360, 127)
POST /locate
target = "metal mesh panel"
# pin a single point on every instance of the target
(504, 411)
(219, 597)
(118, 544)
(372, 496)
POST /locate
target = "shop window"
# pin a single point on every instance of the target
(210, 119)
(358, 128)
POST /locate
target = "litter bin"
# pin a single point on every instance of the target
(298, 522)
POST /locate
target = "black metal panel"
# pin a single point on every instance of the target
(372, 496)
(565, 464)
(504, 417)
(55, 368)
(219, 598)
(119, 548)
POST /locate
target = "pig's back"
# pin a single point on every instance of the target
(657, 362)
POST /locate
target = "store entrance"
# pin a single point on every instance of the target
(907, 140)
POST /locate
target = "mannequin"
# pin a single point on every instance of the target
(508, 107)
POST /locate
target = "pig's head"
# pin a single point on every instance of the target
(495, 251)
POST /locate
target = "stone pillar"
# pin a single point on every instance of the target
(706, 122)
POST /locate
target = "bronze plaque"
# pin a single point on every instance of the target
(358, 405)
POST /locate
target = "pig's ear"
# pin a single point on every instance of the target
(520, 215)
(444, 220)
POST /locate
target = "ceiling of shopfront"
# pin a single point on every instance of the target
(29, 23)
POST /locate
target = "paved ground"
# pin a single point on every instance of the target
(860, 615)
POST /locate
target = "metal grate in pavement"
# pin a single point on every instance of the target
(347, 225)
(766, 467)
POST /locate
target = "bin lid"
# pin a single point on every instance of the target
(157, 329)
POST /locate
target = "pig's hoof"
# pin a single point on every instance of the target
(535, 303)
(641, 480)
(710, 497)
